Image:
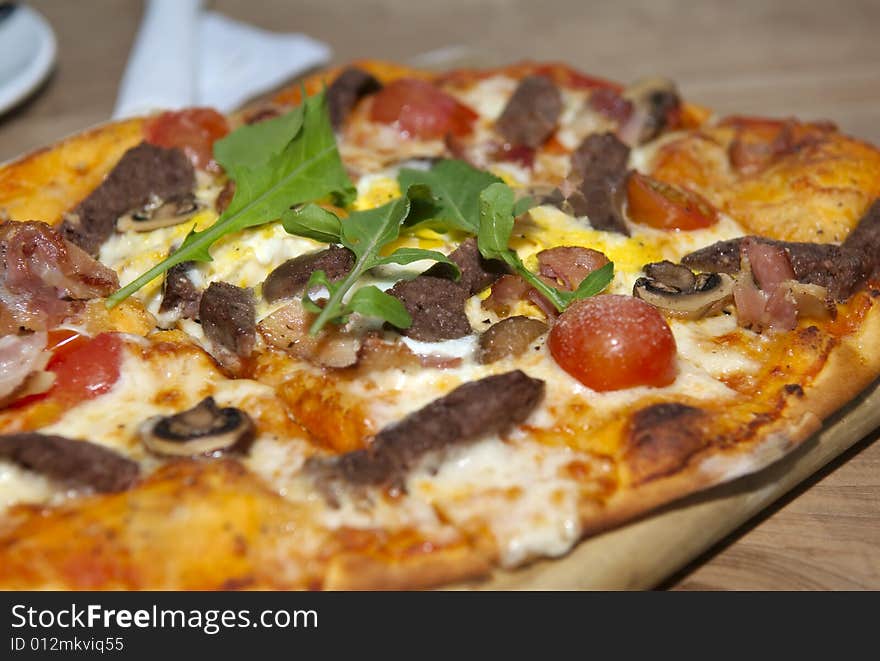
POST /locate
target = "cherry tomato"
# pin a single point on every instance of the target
(62, 340)
(664, 206)
(193, 130)
(421, 110)
(611, 342)
(87, 369)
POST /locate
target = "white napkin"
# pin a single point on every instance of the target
(185, 56)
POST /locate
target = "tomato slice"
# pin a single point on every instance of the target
(664, 206)
(85, 368)
(610, 342)
(62, 340)
(193, 130)
(421, 110)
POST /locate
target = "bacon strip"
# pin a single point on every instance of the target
(570, 264)
(773, 305)
(20, 355)
(42, 276)
(563, 267)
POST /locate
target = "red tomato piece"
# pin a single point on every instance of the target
(521, 154)
(421, 110)
(611, 342)
(664, 206)
(87, 369)
(62, 340)
(193, 130)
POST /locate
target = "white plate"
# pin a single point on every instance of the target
(27, 53)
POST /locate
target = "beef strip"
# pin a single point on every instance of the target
(179, 293)
(436, 301)
(349, 87)
(530, 116)
(864, 241)
(143, 171)
(78, 463)
(289, 279)
(601, 155)
(599, 164)
(488, 406)
(436, 306)
(228, 317)
(477, 273)
(840, 270)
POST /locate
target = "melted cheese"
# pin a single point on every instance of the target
(531, 510)
(18, 485)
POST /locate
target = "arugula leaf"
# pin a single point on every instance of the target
(365, 233)
(252, 145)
(523, 204)
(313, 222)
(371, 301)
(496, 221)
(593, 284)
(496, 225)
(269, 182)
(409, 255)
(455, 191)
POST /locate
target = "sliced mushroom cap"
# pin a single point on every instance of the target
(203, 429)
(509, 337)
(158, 213)
(652, 98)
(812, 301)
(672, 275)
(709, 295)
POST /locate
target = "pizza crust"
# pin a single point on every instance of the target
(48, 182)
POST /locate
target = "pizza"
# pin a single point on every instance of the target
(397, 329)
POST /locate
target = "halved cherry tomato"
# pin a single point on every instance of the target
(421, 110)
(87, 369)
(62, 340)
(193, 130)
(664, 206)
(610, 342)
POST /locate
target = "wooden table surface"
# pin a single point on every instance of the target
(811, 58)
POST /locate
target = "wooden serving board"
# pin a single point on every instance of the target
(642, 554)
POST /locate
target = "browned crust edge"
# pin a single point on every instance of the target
(351, 571)
(47, 182)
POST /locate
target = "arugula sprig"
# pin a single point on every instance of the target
(497, 213)
(454, 201)
(365, 233)
(275, 164)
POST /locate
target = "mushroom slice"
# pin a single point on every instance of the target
(204, 429)
(509, 337)
(710, 294)
(812, 301)
(158, 213)
(672, 275)
(652, 98)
